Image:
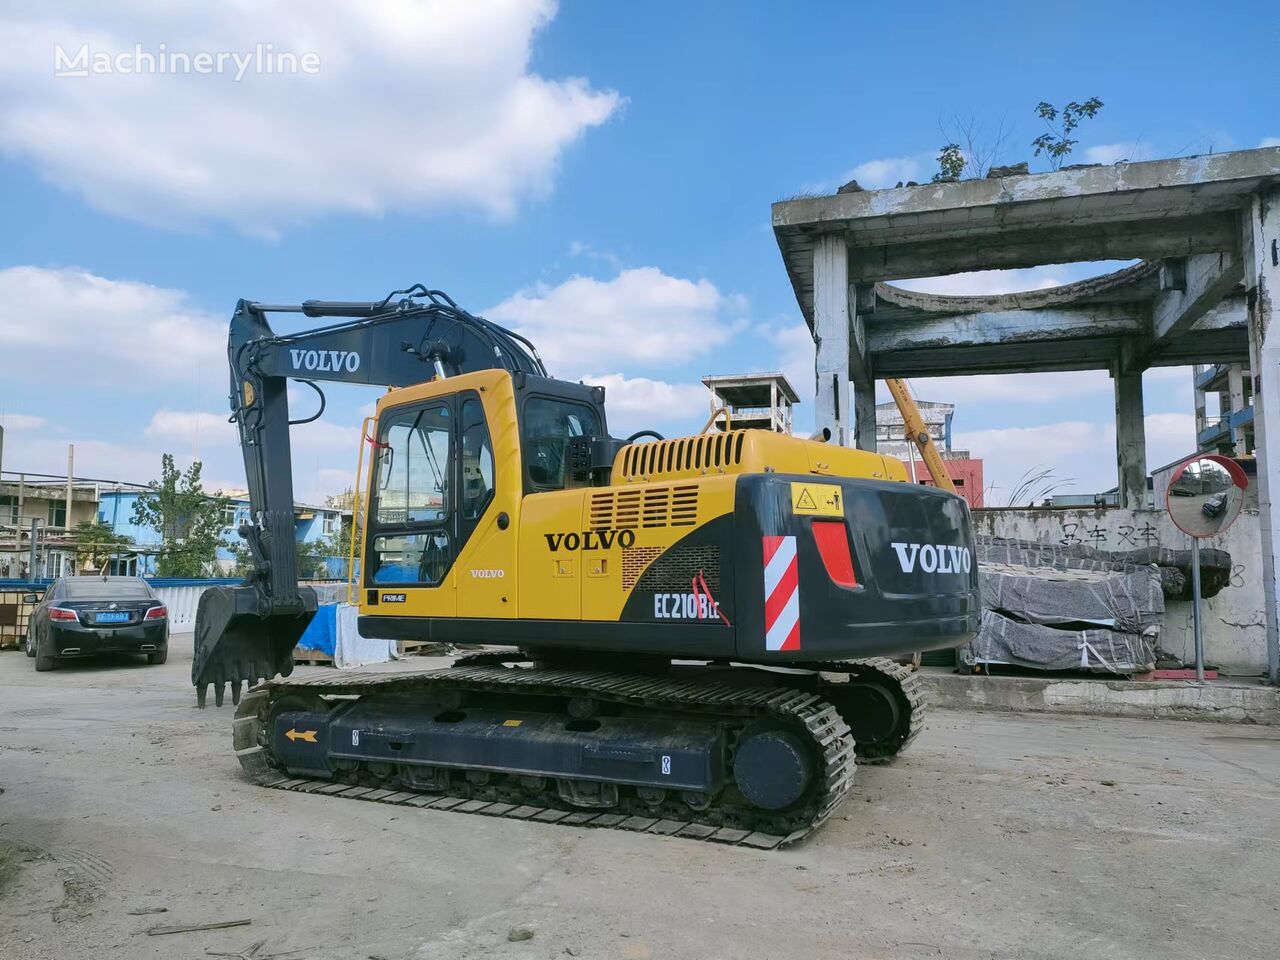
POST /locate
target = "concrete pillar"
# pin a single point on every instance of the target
(1131, 440)
(1235, 390)
(864, 413)
(1262, 286)
(831, 336)
(1201, 404)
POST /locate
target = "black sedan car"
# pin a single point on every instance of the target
(83, 616)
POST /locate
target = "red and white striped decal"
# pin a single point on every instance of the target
(781, 594)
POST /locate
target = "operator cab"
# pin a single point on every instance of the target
(437, 476)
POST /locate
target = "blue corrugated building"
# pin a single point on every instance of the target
(115, 508)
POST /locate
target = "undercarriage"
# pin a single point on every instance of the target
(728, 752)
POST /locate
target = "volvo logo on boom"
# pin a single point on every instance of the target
(322, 361)
(932, 557)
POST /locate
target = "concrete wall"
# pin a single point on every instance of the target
(1235, 632)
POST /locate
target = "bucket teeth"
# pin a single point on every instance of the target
(235, 692)
(219, 691)
(202, 694)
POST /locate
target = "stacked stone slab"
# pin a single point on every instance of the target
(1052, 607)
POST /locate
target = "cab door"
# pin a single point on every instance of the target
(489, 481)
(412, 540)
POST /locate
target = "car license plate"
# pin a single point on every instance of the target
(121, 617)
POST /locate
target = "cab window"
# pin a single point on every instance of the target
(477, 461)
(412, 540)
(548, 425)
(414, 461)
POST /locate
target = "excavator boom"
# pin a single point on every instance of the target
(247, 632)
(918, 433)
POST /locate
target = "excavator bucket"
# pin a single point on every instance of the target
(236, 641)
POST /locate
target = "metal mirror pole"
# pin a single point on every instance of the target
(1195, 608)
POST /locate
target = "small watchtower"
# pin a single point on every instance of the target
(762, 401)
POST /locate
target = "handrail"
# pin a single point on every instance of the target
(365, 437)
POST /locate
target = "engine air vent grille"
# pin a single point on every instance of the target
(644, 507)
(714, 451)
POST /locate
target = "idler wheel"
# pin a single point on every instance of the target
(773, 768)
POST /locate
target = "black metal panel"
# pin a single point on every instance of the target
(892, 610)
(698, 639)
(692, 581)
(300, 741)
(669, 753)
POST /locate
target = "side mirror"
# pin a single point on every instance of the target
(31, 598)
(1206, 495)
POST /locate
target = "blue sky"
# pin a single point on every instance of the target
(598, 175)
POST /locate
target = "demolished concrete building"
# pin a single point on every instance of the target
(1207, 232)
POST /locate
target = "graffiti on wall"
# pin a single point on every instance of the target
(1127, 536)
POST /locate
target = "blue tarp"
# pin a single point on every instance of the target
(322, 632)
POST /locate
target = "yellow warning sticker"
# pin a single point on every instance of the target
(817, 499)
(295, 735)
(512, 723)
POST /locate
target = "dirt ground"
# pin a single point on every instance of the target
(997, 836)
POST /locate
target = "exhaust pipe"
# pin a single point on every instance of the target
(821, 436)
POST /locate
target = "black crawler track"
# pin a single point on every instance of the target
(495, 673)
(897, 680)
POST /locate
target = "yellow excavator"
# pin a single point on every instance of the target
(697, 630)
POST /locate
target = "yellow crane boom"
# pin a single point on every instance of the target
(918, 434)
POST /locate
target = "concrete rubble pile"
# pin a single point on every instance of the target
(1052, 607)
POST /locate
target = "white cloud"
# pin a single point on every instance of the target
(1170, 436)
(877, 174)
(1270, 142)
(93, 331)
(984, 283)
(191, 430)
(642, 316)
(1080, 454)
(1063, 388)
(21, 421)
(1109, 153)
(416, 104)
(637, 403)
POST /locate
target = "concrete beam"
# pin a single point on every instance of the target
(859, 361)
(831, 336)
(1262, 289)
(1228, 314)
(1155, 240)
(1189, 293)
(1084, 354)
(1151, 190)
(1008, 326)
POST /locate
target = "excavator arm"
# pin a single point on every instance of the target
(247, 632)
(918, 434)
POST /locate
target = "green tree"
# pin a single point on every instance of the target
(310, 558)
(970, 148)
(96, 543)
(950, 164)
(188, 520)
(1056, 143)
